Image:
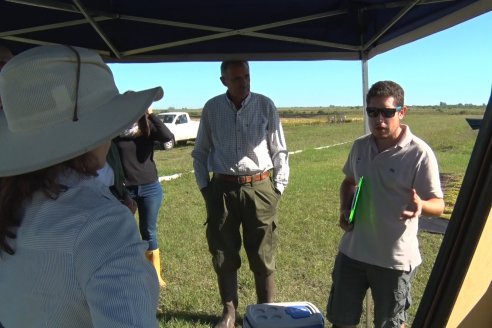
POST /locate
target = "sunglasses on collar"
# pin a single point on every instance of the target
(386, 112)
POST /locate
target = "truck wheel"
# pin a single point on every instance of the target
(168, 145)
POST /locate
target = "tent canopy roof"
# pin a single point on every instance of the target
(196, 30)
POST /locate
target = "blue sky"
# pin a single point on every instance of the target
(452, 66)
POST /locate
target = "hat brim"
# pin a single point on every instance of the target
(27, 152)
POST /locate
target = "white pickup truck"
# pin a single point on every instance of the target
(182, 127)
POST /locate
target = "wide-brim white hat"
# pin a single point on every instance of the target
(58, 103)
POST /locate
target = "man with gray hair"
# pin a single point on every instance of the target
(241, 141)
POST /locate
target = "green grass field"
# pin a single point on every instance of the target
(308, 213)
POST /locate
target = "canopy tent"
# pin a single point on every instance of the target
(195, 30)
(192, 30)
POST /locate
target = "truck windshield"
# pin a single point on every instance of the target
(167, 118)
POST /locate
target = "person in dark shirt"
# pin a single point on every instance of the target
(136, 148)
(5, 56)
(113, 176)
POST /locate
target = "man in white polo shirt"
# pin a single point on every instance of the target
(380, 249)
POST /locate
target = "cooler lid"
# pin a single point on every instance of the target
(298, 311)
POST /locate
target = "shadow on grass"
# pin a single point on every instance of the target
(193, 318)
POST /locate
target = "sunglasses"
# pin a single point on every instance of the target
(386, 112)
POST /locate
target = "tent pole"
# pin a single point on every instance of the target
(365, 88)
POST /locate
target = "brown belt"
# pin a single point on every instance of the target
(242, 179)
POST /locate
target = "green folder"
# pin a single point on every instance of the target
(355, 200)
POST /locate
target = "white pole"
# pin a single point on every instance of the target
(365, 89)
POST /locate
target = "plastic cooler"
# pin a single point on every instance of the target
(283, 315)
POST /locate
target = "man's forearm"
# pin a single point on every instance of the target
(433, 207)
(347, 190)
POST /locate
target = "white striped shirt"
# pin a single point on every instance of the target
(79, 262)
(240, 142)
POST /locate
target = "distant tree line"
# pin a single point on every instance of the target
(333, 110)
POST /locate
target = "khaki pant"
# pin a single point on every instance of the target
(252, 205)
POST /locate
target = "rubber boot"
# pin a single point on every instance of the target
(155, 259)
(265, 288)
(228, 293)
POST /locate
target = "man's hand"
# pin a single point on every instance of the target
(204, 193)
(414, 209)
(344, 221)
